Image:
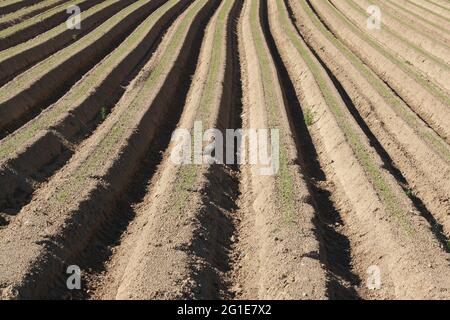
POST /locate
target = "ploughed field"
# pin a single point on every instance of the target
(359, 207)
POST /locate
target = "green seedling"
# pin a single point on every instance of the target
(309, 117)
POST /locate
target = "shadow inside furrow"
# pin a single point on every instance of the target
(335, 248)
(30, 14)
(393, 90)
(40, 95)
(21, 61)
(213, 241)
(90, 227)
(16, 6)
(108, 233)
(98, 105)
(42, 25)
(388, 163)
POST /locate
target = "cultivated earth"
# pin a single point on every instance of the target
(359, 207)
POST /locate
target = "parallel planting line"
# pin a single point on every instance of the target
(16, 59)
(419, 154)
(429, 64)
(33, 26)
(380, 208)
(436, 24)
(9, 6)
(29, 93)
(441, 5)
(353, 135)
(27, 12)
(335, 249)
(427, 8)
(401, 23)
(91, 184)
(77, 113)
(401, 108)
(430, 105)
(276, 213)
(410, 17)
(425, 171)
(415, 74)
(195, 199)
